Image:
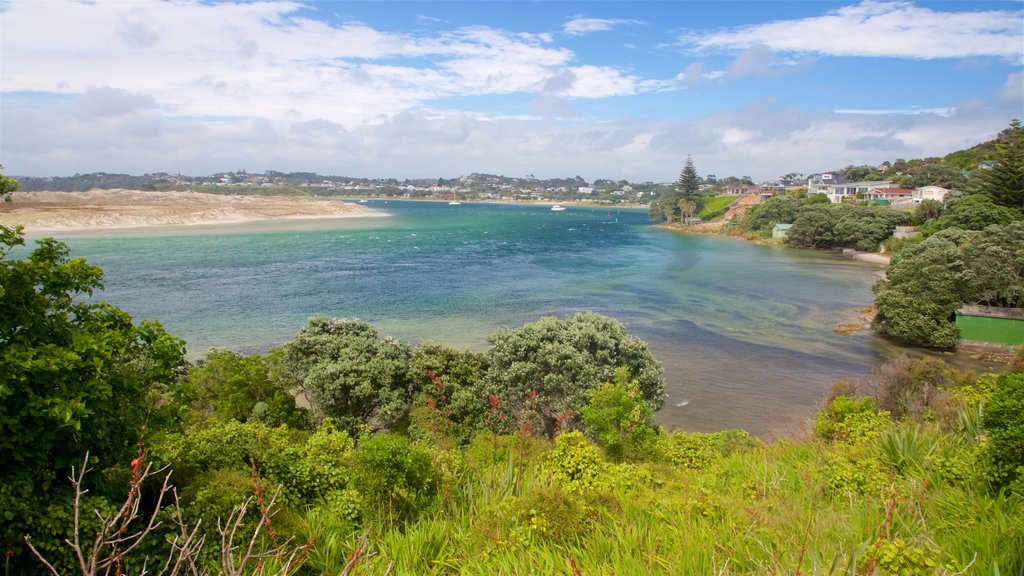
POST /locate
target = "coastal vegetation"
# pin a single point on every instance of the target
(969, 250)
(346, 452)
(539, 454)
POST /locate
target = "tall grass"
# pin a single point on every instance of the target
(767, 510)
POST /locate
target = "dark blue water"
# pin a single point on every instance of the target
(744, 331)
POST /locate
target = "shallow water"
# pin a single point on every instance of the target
(744, 332)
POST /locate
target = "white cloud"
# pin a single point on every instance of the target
(760, 139)
(581, 25)
(1011, 96)
(880, 29)
(261, 60)
(902, 111)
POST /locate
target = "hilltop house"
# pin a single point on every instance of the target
(838, 189)
(890, 195)
(930, 193)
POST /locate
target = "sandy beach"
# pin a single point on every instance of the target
(113, 209)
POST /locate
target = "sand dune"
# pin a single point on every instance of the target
(110, 209)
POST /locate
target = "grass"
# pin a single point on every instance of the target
(715, 204)
(769, 509)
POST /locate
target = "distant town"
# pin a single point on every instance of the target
(889, 183)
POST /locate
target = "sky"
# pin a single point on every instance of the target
(618, 90)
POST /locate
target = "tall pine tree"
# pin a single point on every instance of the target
(688, 185)
(1004, 181)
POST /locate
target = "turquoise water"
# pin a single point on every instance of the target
(744, 331)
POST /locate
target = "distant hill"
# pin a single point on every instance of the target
(950, 171)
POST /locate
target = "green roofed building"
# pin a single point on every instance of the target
(781, 230)
(991, 324)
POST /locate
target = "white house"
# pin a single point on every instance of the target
(892, 195)
(585, 190)
(930, 193)
(838, 189)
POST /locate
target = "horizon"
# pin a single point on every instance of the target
(417, 90)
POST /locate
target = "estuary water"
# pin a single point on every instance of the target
(744, 332)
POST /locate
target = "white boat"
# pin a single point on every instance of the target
(455, 203)
(363, 201)
(557, 208)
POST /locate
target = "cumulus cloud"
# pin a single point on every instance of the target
(107, 101)
(1011, 95)
(880, 29)
(580, 25)
(260, 86)
(761, 139)
(889, 144)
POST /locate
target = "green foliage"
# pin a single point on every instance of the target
(775, 210)
(559, 363)
(975, 212)
(850, 419)
(995, 266)
(7, 187)
(847, 225)
(239, 387)
(899, 558)
(453, 402)
(912, 389)
(905, 449)
(848, 475)
(1004, 181)
(865, 227)
(928, 282)
(550, 515)
(1005, 427)
(619, 420)
(928, 210)
(308, 466)
(575, 463)
(688, 185)
(396, 480)
(922, 291)
(696, 450)
(715, 207)
(76, 376)
(350, 374)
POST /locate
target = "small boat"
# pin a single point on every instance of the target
(557, 208)
(363, 201)
(455, 203)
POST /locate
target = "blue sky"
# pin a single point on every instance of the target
(442, 89)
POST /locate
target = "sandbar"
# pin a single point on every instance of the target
(116, 209)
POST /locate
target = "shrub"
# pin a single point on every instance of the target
(619, 420)
(1016, 363)
(687, 450)
(242, 388)
(397, 481)
(846, 474)
(575, 463)
(1004, 424)
(559, 363)
(905, 449)
(351, 374)
(849, 419)
(453, 403)
(550, 514)
(911, 388)
(899, 558)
